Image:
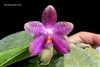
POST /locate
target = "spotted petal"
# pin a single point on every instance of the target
(63, 28)
(34, 28)
(49, 16)
(61, 45)
(36, 45)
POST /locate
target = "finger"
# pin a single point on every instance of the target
(86, 37)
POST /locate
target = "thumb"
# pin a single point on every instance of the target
(86, 37)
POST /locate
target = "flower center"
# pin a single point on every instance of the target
(49, 39)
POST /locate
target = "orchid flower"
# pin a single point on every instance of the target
(48, 33)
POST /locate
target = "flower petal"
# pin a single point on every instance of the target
(63, 28)
(49, 16)
(61, 45)
(34, 28)
(36, 45)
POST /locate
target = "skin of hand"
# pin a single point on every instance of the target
(86, 37)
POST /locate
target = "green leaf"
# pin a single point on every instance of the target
(80, 57)
(14, 46)
(77, 57)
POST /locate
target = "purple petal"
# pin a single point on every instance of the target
(63, 28)
(61, 45)
(34, 28)
(49, 16)
(36, 45)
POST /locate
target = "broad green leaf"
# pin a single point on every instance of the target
(13, 46)
(78, 57)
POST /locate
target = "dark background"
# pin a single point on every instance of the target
(84, 15)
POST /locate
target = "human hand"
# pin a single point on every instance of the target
(86, 37)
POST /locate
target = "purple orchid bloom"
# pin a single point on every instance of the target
(49, 33)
